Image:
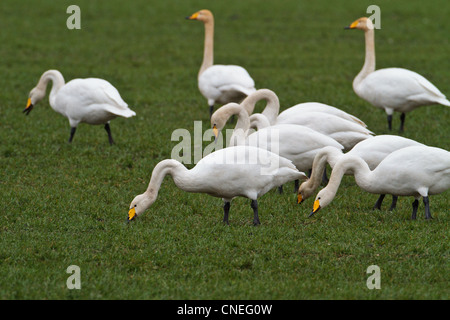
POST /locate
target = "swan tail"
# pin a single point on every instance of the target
(358, 121)
(444, 102)
(125, 113)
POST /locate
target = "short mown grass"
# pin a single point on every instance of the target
(66, 204)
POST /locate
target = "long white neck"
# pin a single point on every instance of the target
(360, 169)
(273, 104)
(258, 121)
(241, 130)
(180, 174)
(58, 81)
(327, 154)
(208, 51)
(369, 62)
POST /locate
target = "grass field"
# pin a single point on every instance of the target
(66, 204)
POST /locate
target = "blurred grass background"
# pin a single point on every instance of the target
(66, 204)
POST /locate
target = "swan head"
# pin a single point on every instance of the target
(139, 204)
(220, 117)
(36, 95)
(361, 24)
(304, 192)
(323, 199)
(203, 15)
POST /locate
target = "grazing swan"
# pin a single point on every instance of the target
(372, 151)
(330, 121)
(219, 83)
(297, 143)
(391, 89)
(417, 171)
(273, 107)
(91, 100)
(240, 171)
(343, 131)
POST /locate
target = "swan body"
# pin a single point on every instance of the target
(417, 171)
(219, 83)
(297, 143)
(271, 111)
(92, 101)
(372, 151)
(333, 122)
(392, 89)
(284, 116)
(240, 171)
(345, 132)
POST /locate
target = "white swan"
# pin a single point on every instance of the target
(227, 173)
(417, 171)
(297, 143)
(93, 101)
(272, 109)
(335, 123)
(391, 89)
(343, 131)
(372, 151)
(219, 83)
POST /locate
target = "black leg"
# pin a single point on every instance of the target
(394, 203)
(402, 122)
(280, 189)
(415, 205)
(108, 129)
(72, 133)
(211, 111)
(296, 185)
(389, 119)
(379, 202)
(226, 210)
(426, 202)
(254, 206)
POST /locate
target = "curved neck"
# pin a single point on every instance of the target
(208, 51)
(369, 62)
(258, 121)
(327, 154)
(58, 81)
(179, 173)
(359, 168)
(273, 104)
(240, 131)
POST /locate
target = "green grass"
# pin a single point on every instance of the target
(65, 205)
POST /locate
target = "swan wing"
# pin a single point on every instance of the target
(415, 170)
(82, 96)
(93, 91)
(294, 142)
(318, 107)
(374, 150)
(246, 171)
(392, 87)
(219, 79)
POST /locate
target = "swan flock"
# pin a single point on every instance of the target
(279, 145)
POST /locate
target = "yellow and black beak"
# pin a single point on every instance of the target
(216, 132)
(131, 214)
(299, 198)
(353, 25)
(29, 107)
(193, 16)
(316, 208)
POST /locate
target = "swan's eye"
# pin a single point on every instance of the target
(135, 205)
